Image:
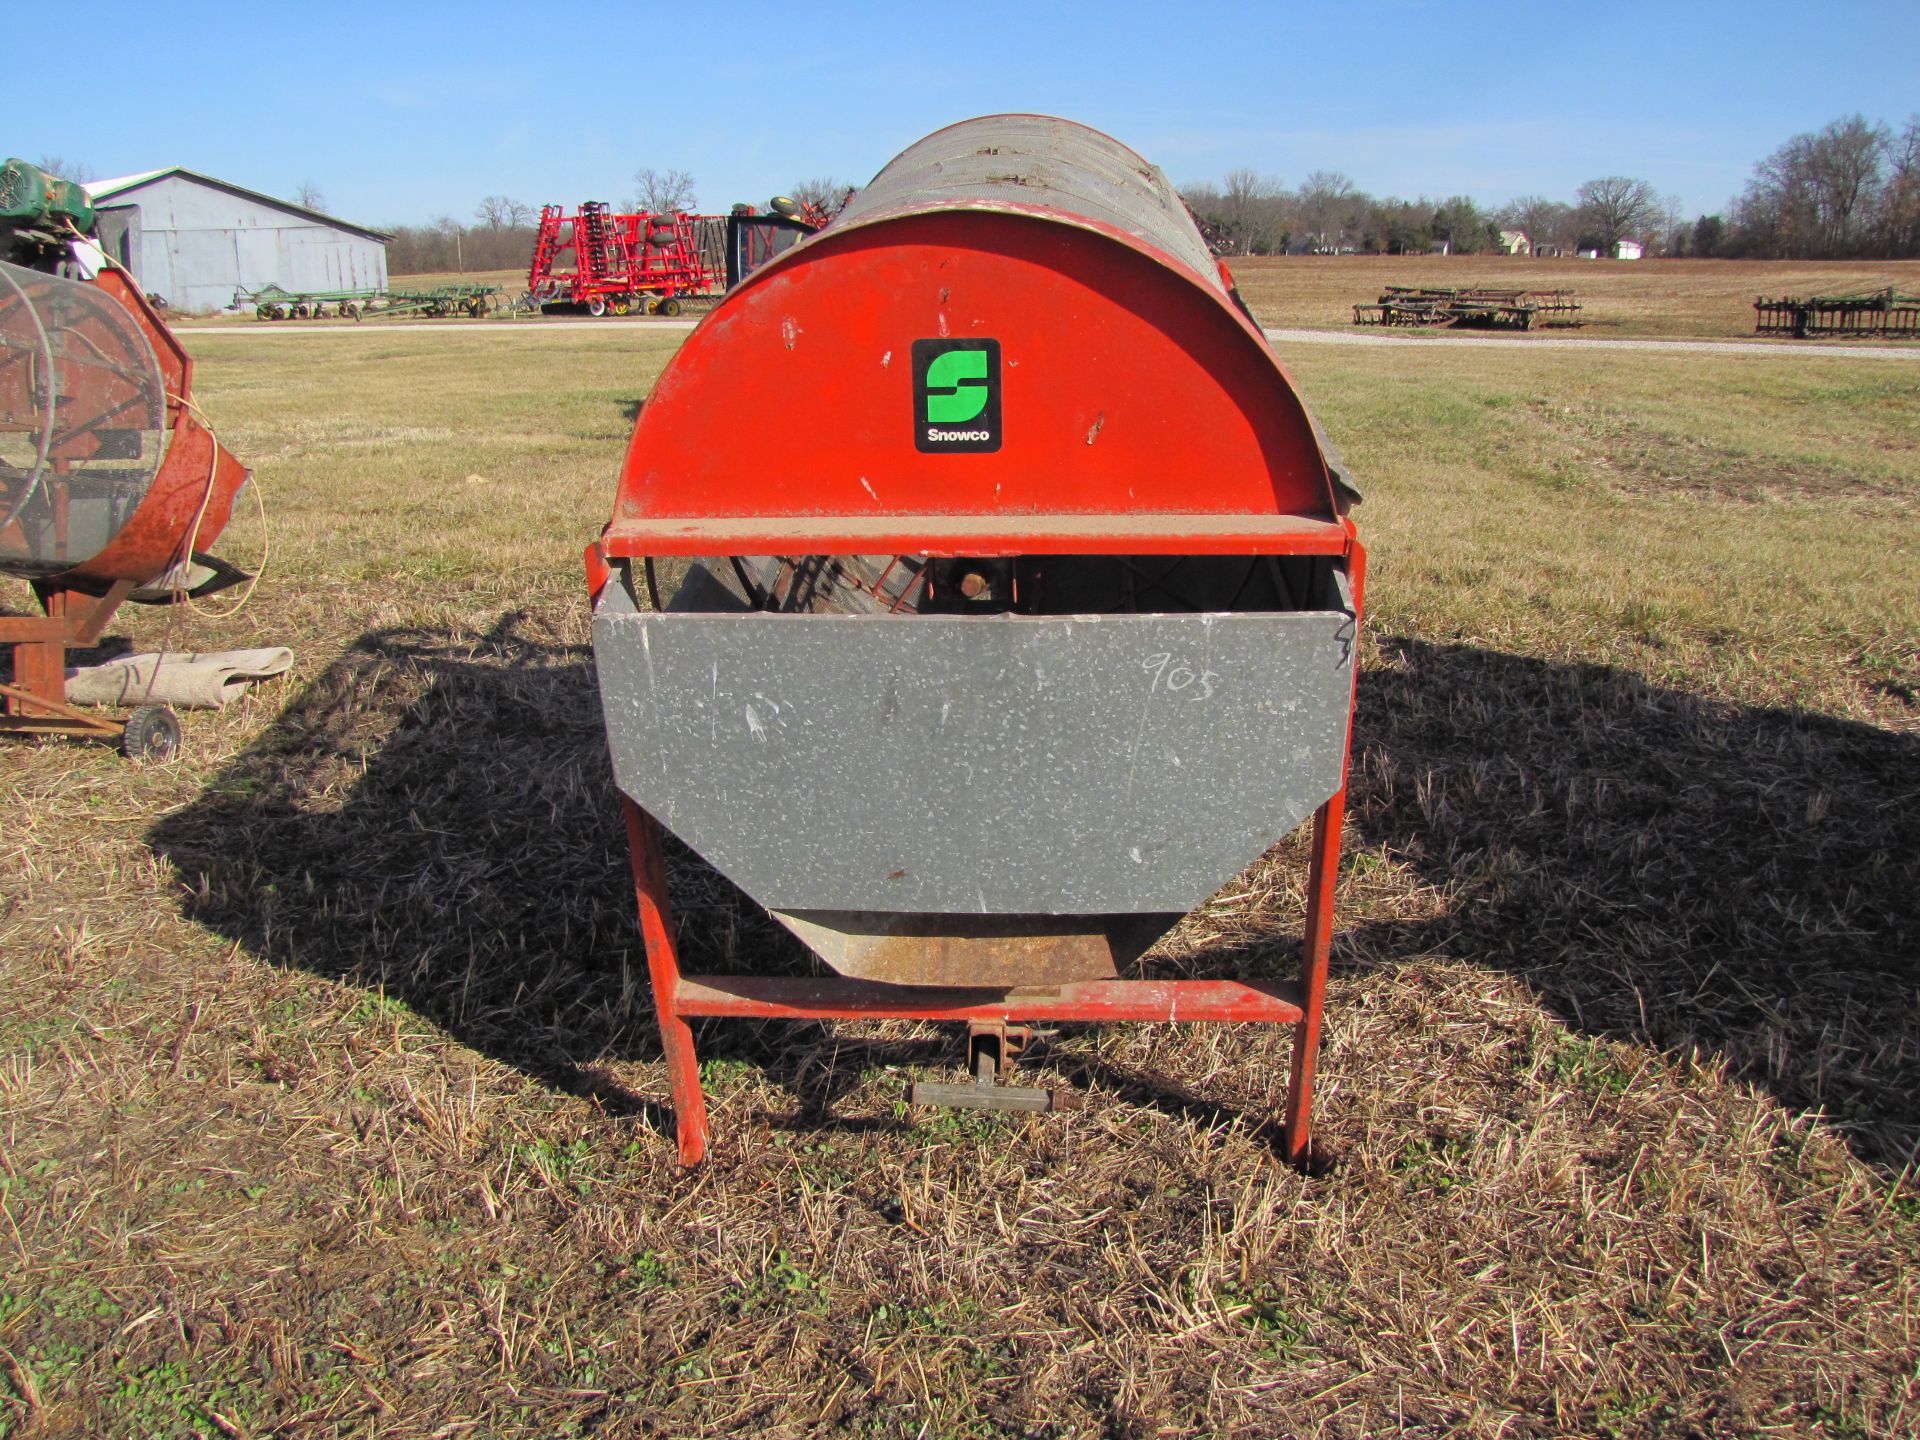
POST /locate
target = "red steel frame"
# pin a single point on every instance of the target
(679, 997)
(634, 256)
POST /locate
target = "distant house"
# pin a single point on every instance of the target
(1589, 254)
(1516, 242)
(1628, 250)
(1543, 250)
(1440, 247)
(194, 240)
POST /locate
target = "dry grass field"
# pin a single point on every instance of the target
(330, 1103)
(1703, 299)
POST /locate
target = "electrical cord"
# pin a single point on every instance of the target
(183, 563)
(192, 542)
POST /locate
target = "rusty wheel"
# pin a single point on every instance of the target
(152, 734)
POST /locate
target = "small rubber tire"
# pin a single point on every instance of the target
(152, 735)
(621, 306)
(669, 307)
(597, 306)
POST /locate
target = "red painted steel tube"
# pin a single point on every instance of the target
(663, 966)
(1329, 826)
(776, 997)
(980, 535)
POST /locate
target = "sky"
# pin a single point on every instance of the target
(403, 112)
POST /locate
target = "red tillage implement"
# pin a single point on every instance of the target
(979, 597)
(614, 263)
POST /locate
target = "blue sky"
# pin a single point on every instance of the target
(401, 112)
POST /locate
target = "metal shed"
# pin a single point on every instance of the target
(194, 240)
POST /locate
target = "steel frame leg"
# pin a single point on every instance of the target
(828, 999)
(663, 965)
(1328, 823)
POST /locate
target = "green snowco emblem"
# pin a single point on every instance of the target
(956, 396)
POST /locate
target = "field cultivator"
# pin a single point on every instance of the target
(270, 302)
(1009, 608)
(471, 300)
(1475, 309)
(1878, 313)
(607, 263)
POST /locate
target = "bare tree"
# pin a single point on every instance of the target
(77, 171)
(824, 192)
(1900, 202)
(497, 212)
(308, 197)
(1615, 208)
(451, 231)
(1824, 193)
(1326, 204)
(1249, 211)
(662, 192)
(1846, 164)
(1546, 222)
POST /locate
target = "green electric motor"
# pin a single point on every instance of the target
(31, 198)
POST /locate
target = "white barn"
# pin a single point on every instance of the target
(194, 240)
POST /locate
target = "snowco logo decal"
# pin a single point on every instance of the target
(956, 396)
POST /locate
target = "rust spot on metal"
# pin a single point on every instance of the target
(1025, 952)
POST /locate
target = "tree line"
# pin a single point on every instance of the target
(1849, 190)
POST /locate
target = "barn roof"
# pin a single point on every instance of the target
(101, 191)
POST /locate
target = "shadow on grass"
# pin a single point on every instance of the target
(1694, 874)
(435, 815)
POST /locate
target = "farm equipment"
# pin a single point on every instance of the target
(613, 264)
(1879, 313)
(1476, 309)
(110, 483)
(617, 264)
(431, 304)
(1042, 626)
(270, 302)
